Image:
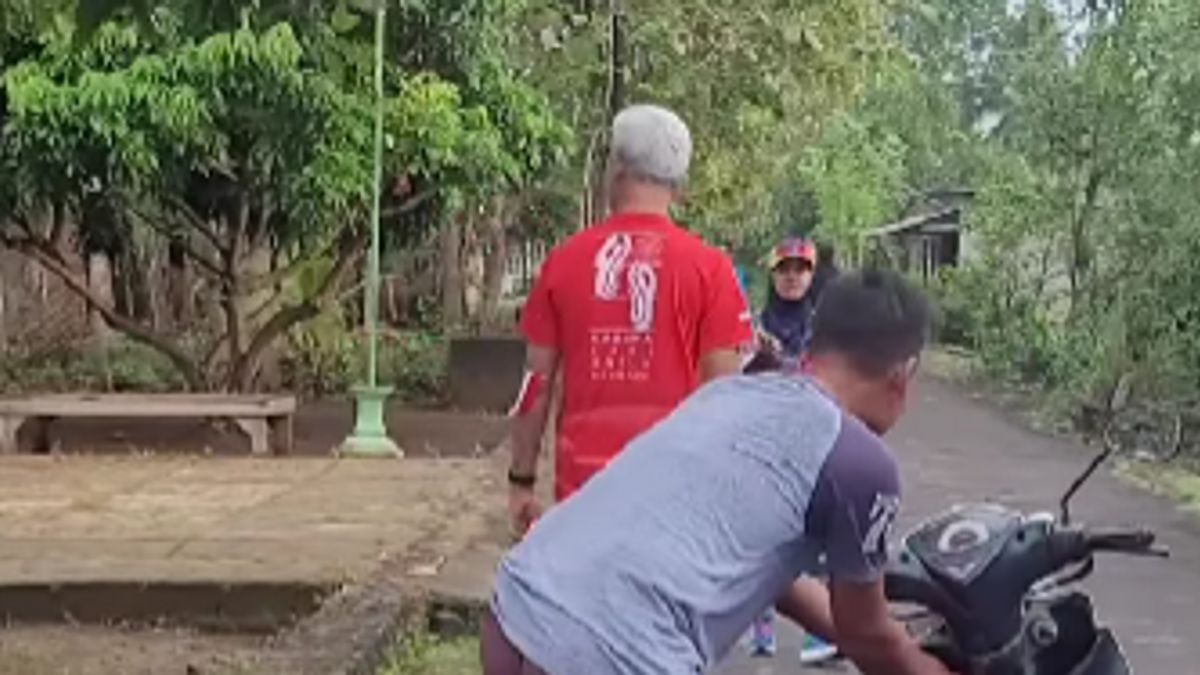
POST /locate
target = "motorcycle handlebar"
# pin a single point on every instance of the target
(1039, 553)
(1070, 545)
(1136, 542)
(1065, 546)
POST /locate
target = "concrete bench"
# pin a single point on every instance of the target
(259, 417)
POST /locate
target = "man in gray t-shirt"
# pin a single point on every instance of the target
(701, 523)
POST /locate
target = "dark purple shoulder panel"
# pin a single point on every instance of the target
(856, 499)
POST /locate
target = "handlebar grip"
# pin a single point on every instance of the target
(1121, 541)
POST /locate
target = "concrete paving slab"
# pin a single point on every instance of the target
(185, 519)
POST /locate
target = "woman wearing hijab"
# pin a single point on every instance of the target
(785, 321)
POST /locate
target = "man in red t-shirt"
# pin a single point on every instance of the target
(633, 313)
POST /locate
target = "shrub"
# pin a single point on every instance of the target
(121, 366)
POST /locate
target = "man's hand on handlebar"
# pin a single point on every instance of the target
(874, 641)
(768, 343)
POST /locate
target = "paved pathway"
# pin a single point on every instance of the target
(93, 523)
(172, 519)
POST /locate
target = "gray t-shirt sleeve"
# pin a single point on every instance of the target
(854, 504)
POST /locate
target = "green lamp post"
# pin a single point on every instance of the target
(370, 438)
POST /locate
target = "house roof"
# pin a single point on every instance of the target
(932, 222)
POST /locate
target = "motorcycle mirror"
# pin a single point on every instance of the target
(1065, 503)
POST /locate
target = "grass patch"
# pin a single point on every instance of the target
(950, 363)
(1037, 409)
(427, 654)
(1178, 482)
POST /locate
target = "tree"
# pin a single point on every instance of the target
(857, 178)
(756, 81)
(247, 153)
(1080, 140)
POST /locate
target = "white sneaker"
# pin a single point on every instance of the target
(816, 650)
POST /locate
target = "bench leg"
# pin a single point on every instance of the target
(256, 430)
(41, 434)
(8, 434)
(281, 430)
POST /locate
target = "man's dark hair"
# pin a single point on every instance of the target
(875, 318)
(763, 362)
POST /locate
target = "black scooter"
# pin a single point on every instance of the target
(996, 591)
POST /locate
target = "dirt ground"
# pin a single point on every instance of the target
(85, 650)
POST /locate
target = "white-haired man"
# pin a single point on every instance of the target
(634, 313)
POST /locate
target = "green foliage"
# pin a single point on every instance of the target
(1084, 232)
(120, 366)
(908, 132)
(957, 320)
(223, 127)
(417, 363)
(856, 175)
(1072, 131)
(321, 357)
(97, 130)
(754, 80)
(758, 81)
(1179, 483)
(325, 358)
(423, 654)
(237, 104)
(1077, 128)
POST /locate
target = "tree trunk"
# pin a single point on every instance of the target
(3, 308)
(473, 268)
(452, 271)
(389, 294)
(100, 283)
(208, 292)
(180, 281)
(231, 307)
(598, 183)
(36, 282)
(135, 269)
(1081, 246)
(53, 262)
(254, 307)
(616, 91)
(158, 270)
(616, 66)
(396, 291)
(495, 263)
(350, 248)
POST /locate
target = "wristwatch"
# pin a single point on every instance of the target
(525, 480)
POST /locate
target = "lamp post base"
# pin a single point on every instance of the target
(369, 438)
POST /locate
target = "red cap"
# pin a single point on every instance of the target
(800, 249)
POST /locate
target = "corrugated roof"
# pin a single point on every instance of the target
(917, 221)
